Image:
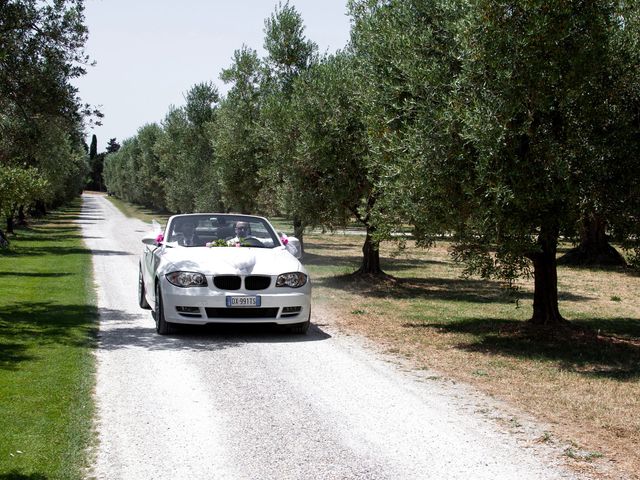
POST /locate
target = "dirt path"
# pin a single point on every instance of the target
(254, 403)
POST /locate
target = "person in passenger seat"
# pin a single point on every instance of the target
(189, 236)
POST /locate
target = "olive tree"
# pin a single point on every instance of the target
(289, 54)
(236, 138)
(186, 154)
(405, 63)
(330, 173)
(41, 116)
(495, 125)
(543, 141)
(18, 187)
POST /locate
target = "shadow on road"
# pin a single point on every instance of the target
(123, 330)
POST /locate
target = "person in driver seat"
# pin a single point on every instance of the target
(243, 231)
(189, 236)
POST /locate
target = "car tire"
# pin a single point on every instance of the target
(300, 328)
(162, 326)
(142, 294)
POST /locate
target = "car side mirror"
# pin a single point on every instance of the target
(153, 239)
(294, 243)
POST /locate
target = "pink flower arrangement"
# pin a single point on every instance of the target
(284, 240)
(160, 238)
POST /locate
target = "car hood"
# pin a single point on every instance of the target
(230, 260)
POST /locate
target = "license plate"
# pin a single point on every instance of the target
(249, 301)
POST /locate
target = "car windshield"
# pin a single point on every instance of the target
(220, 231)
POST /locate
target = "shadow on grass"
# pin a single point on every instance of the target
(25, 326)
(52, 221)
(324, 246)
(37, 251)
(70, 213)
(39, 232)
(624, 327)
(34, 274)
(56, 234)
(393, 264)
(123, 330)
(24, 250)
(430, 288)
(599, 268)
(15, 475)
(59, 225)
(47, 232)
(333, 260)
(11, 354)
(354, 261)
(577, 348)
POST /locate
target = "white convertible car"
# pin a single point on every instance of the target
(223, 268)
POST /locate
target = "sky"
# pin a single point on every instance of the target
(148, 53)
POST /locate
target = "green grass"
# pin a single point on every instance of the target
(47, 331)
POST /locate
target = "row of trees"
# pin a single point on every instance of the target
(96, 163)
(505, 125)
(42, 154)
(284, 116)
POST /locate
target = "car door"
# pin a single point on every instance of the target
(150, 260)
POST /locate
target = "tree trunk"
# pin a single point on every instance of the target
(298, 232)
(594, 248)
(10, 225)
(4, 241)
(22, 218)
(370, 255)
(545, 272)
(40, 209)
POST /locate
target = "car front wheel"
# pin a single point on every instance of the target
(301, 328)
(162, 326)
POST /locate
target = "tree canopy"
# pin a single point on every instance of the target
(41, 115)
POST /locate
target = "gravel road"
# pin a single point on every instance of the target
(258, 404)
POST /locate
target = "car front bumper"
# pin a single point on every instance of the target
(202, 305)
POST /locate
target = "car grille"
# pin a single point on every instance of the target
(242, 312)
(255, 282)
(234, 282)
(227, 282)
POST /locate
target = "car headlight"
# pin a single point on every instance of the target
(187, 279)
(293, 280)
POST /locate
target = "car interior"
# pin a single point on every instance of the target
(212, 229)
